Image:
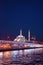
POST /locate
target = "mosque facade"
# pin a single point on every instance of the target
(21, 38)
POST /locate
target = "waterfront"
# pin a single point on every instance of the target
(22, 57)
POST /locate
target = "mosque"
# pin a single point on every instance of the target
(21, 38)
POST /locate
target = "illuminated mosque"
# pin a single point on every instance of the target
(21, 38)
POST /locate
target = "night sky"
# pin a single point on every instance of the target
(21, 14)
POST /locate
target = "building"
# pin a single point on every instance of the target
(20, 38)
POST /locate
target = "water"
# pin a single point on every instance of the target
(22, 57)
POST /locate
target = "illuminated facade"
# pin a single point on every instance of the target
(20, 38)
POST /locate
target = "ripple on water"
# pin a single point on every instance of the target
(29, 57)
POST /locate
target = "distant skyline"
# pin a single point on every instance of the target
(21, 14)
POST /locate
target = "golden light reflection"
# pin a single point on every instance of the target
(1, 54)
(7, 54)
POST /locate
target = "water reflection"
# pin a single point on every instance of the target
(21, 57)
(7, 54)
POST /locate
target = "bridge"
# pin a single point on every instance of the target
(11, 45)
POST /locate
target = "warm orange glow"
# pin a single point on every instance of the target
(25, 46)
(5, 45)
(7, 54)
(33, 38)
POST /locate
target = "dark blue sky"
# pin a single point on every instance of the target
(21, 14)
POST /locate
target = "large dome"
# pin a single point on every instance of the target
(20, 38)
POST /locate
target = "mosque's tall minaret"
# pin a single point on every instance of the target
(29, 35)
(20, 32)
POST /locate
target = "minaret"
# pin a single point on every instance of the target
(20, 32)
(29, 35)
